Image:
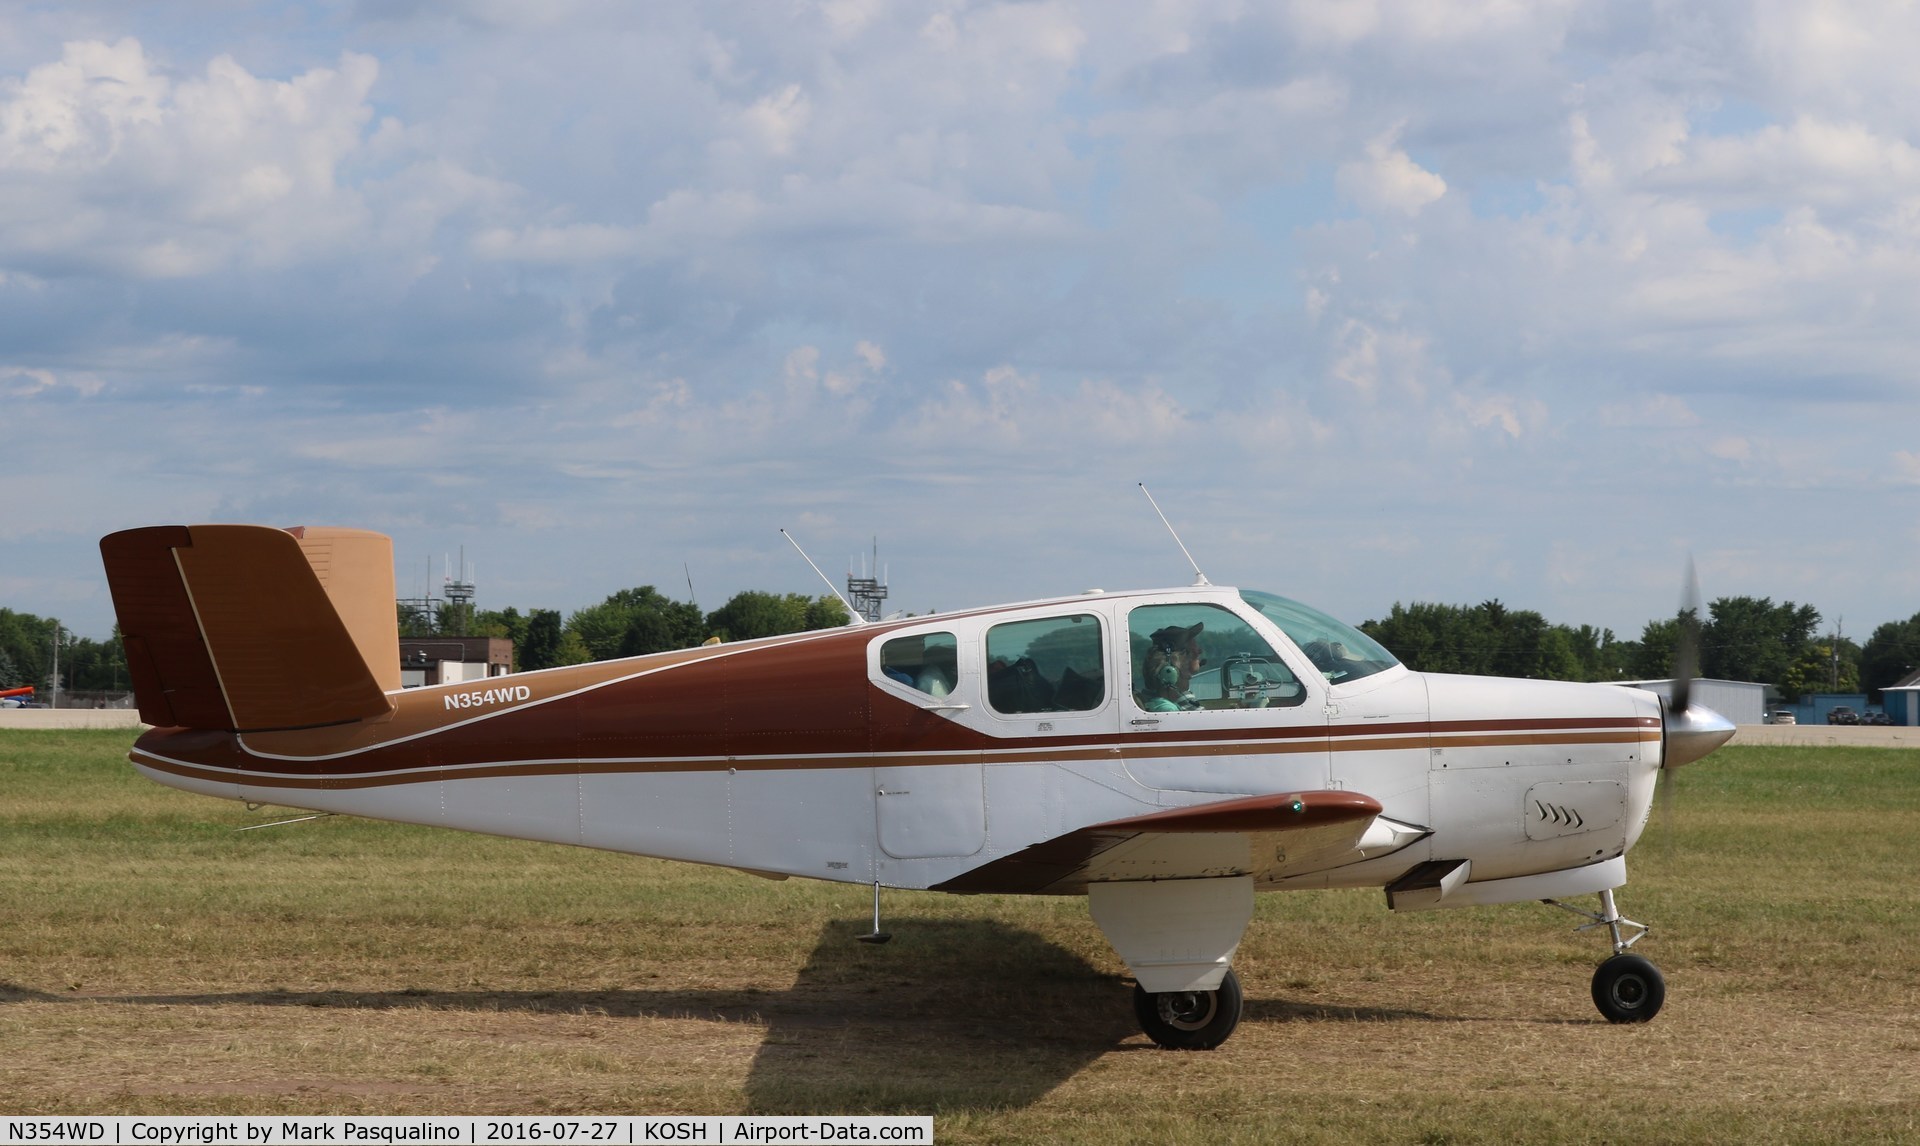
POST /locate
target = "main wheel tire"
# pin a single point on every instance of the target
(1190, 1020)
(1628, 989)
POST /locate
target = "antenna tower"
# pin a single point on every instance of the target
(460, 592)
(868, 593)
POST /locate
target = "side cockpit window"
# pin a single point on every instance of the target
(929, 662)
(1054, 664)
(1188, 657)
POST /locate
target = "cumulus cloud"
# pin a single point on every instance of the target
(1403, 258)
(225, 167)
(1387, 179)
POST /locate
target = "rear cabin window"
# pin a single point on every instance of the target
(1190, 657)
(1054, 664)
(929, 662)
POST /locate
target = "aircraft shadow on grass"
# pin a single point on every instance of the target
(952, 1014)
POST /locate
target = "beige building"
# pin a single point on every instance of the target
(450, 660)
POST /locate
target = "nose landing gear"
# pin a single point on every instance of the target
(1626, 988)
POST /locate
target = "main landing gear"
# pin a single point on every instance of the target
(1626, 988)
(1190, 1020)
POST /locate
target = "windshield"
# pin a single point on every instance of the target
(1341, 652)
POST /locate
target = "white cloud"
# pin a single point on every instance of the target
(1387, 179)
(226, 167)
(1394, 261)
(22, 383)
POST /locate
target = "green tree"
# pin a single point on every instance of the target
(1652, 658)
(573, 650)
(1602, 656)
(1490, 639)
(500, 624)
(413, 624)
(1817, 671)
(1891, 653)
(454, 619)
(752, 613)
(539, 645)
(28, 642)
(636, 621)
(1753, 639)
(825, 612)
(1433, 638)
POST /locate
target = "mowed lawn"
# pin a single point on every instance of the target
(153, 960)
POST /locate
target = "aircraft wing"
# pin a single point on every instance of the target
(1269, 837)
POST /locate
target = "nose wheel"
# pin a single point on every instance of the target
(1626, 988)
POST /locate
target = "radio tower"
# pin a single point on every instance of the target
(460, 592)
(867, 593)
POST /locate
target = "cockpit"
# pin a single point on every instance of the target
(1341, 652)
(1163, 653)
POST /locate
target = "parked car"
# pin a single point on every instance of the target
(1782, 716)
(1841, 714)
(1875, 718)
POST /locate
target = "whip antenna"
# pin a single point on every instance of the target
(1199, 578)
(853, 618)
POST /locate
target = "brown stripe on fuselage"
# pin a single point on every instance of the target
(277, 774)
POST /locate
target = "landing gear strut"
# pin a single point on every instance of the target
(1626, 988)
(1190, 1020)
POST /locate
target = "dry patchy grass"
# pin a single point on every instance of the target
(155, 962)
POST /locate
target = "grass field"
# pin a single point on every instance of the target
(153, 961)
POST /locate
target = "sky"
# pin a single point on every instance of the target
(1443, 300)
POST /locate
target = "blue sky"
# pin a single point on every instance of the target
(1385, 301)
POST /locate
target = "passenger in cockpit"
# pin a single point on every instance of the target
(938, 670)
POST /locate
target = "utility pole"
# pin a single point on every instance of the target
(55, 701)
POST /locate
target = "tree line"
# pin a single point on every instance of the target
(1741, 638)
(27, 655)
(627, 624)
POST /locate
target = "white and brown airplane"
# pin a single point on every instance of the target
(1166, 753)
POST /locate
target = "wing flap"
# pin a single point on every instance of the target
(1269, 837)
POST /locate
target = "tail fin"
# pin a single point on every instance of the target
(248, 628)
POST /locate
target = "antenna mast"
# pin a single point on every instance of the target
(853, 616)
(1199, 578)
(868, 592)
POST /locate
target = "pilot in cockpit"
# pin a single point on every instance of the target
(1167, 671)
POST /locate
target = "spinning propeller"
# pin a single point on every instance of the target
(1691, 730)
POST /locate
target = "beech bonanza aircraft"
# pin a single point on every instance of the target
(1166, 754)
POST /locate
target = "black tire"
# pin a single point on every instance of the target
(1628, 989)
(1190, 1020)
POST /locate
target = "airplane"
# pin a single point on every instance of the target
(15, 697)
(1165, 753)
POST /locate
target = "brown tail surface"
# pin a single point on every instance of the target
(248, 628)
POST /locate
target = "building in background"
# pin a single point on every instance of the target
(1901, 700)
(1743, 702)
(450, 660)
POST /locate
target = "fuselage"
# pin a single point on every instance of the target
(913, 752)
